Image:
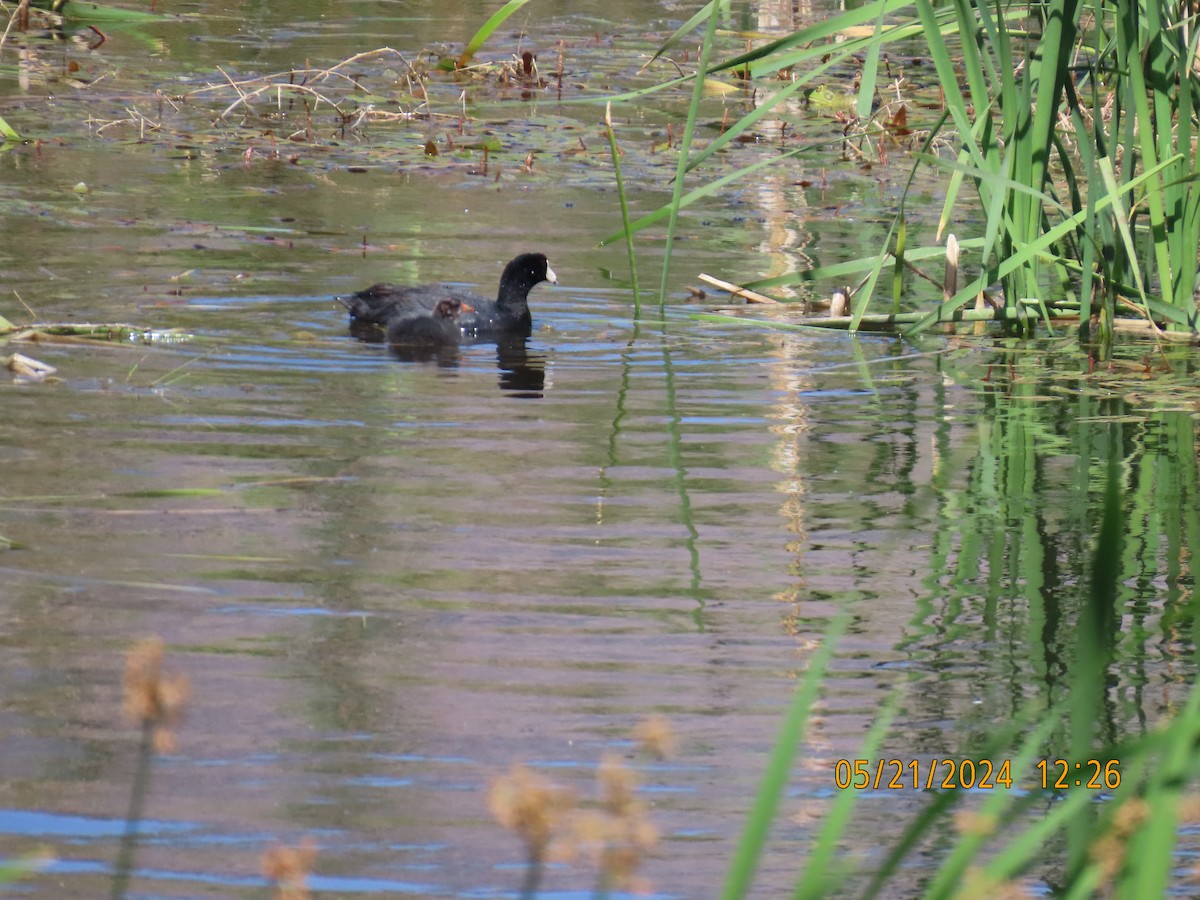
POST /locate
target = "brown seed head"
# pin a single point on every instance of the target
(150, 697)
(977, 884)
(617, 784)
(1109, 850)
(655, 736)
(288, 868)
(975, 823)
(530, 805)
(628, 833)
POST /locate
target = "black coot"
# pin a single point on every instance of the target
(507, 314)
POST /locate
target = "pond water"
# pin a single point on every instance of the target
(389, 580)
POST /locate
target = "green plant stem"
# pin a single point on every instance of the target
(533, 876)
(137, 801)
(485, 31)
(685, 147)
(616, 158)
(774, 782)
(8, 132)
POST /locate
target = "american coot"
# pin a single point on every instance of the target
(439, 328)
(507, 314)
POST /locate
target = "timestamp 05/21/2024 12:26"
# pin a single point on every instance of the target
(971, 774)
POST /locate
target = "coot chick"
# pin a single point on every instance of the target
(507, 314)
(439, 328)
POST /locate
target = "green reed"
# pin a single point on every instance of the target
(779, 767)
(8, 133)
(629, 248)
(487, 29)
(1076, 143)
(685, 146)
(1123, 847)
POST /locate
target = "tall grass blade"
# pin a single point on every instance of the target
(1121, 219)
(691, 197)
(1152, 848)
(689, 130)
(684, 30)
(822, 873)
(499, 17)
(767, 107)
(774, 783)
(823, 37)
(616, 158)
(870, 72)
(998, 808)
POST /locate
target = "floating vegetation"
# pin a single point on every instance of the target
(28, 864)
(25, 368)
(65, 333)
(882, 322)
(88, 11)
(335, 106)
(7, 543)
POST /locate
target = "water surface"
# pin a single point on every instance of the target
(388, 580)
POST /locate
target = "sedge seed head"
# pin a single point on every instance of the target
(656, 737)
(530, 805)
(288, 868)
(150, 697)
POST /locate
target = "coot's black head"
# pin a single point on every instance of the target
(529, 269)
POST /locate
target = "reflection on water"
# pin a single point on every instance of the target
(521, 373)
(387, 581)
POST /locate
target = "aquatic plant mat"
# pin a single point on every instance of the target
(69, 332)
(26, 368)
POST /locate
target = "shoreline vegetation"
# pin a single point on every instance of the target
(1090, 205)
